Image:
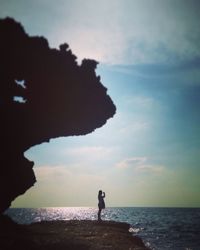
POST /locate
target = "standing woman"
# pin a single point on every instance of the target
(101, 203)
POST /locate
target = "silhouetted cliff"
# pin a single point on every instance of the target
(44, 94)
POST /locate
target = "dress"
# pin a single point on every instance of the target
(101, 203)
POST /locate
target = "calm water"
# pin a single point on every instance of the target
(160, 228)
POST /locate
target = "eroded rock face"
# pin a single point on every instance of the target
(44, 94)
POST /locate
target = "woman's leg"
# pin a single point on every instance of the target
(99, 214)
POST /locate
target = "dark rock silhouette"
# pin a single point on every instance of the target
(57, 97)
(70, 235)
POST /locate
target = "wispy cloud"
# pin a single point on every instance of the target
(49, 173)
(85, 151)
(59, 173)
(128, 34)
(150, 168)
(134, 127)
(131, 162)
(89, 153)
(140, 164)
(115, 31)
(59, 186)
(143, 102)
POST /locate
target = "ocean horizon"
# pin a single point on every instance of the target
(160, 228)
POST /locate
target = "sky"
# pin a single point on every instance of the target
(148, 154)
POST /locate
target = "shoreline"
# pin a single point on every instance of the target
(68, 234)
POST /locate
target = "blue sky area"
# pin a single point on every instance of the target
(148, 154)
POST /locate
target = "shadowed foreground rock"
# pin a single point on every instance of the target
(68, 235)
(44, 94)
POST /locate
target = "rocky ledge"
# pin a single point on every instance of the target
(60, 235)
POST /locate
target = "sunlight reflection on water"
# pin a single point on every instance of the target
(65, 213)
(29, 215)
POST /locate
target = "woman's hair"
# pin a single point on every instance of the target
(100, 192)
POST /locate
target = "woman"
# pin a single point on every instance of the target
(101, 203)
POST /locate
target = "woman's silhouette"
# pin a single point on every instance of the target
(101, 203)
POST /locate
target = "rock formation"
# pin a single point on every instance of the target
(44, 94)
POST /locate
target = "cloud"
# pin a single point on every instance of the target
(89, 151)
(59, 186)
(140, 165)
(116, 31)
(150, 168)
(185, 71)
(49, 173)
(144, 102)
(131, 162)
(134, 127)
(133, 32)
(89, 159)
(61, 175)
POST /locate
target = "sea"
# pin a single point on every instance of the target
(159, 228)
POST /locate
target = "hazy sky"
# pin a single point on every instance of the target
(149, 54)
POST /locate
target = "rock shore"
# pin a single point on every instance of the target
(74, 234)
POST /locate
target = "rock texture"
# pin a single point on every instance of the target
(71, 235)
(44, 94)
